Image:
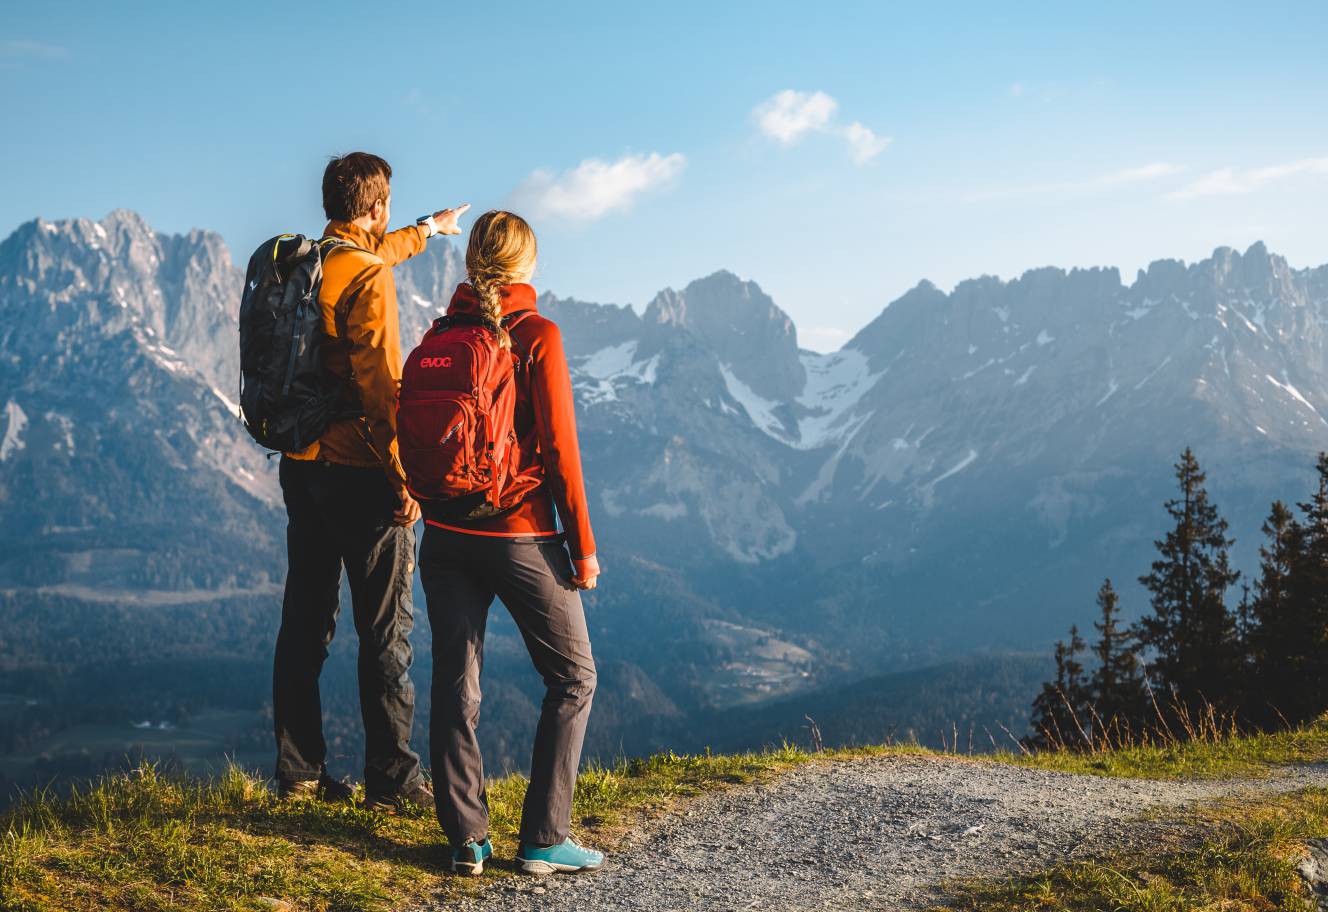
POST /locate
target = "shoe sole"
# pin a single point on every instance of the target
(468, 868)
(541, 868)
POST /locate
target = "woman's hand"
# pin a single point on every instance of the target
(585, 573)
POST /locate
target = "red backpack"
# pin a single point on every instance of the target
(455, 417)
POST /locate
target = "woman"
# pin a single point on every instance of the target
(519, 556)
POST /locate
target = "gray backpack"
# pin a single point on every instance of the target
(287, 398)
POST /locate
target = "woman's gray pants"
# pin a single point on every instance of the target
(461, 574)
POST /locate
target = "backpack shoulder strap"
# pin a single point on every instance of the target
(515, 317)
(449, 320)
(329, 244)
(509, 323)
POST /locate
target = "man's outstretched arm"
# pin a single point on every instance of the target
(404, 243)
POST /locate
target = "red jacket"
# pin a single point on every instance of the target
(545, 424)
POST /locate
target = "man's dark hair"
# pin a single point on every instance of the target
(352, 183)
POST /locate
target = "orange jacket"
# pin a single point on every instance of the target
(545, 425)
(359, 301)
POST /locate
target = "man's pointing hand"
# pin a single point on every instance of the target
(446, 219)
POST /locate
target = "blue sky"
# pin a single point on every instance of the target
(834, 153)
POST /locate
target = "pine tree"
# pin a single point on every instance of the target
(1060, 711)
(1191, 633)
(1275, 640)
(1305, 641)
(1116, 689)
(1244, 622)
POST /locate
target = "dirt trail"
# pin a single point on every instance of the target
(872, 834)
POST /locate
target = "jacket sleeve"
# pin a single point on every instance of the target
(555, 425)
(402, 244)
(375, 359)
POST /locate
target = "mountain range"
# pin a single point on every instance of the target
(957, 478)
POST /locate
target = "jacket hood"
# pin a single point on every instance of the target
(511, 297)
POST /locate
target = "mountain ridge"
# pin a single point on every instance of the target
(814, 499)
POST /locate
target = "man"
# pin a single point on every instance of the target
(347, 505)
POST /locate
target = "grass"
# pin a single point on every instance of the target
(1216, 757)
(144, 842)
(1238, 856)
(148, 843)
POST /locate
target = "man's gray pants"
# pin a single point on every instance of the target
(461, 574)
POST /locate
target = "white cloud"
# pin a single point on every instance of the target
(27, 48)
(1147, 172)
(787, 115)
(1230, 181)
(596, 187)
(863, 144)
(1150, 171)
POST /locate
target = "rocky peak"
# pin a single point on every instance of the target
(1161, 279)
(1256, 271)
(588, 327)
(425, 284)
(117, 274)
(1258, 285)
(742, 325)
(884, 338)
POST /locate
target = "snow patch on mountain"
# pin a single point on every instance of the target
(231, 405)
(15, 423)
(977, 370)
(759, 409)
(1141, 311)
(1111, 391)
(1259, 315)
(1285, 386)
(959, 467)
(821, 485)
(1157, 370)
(927, 491)
(836, 384)
(599, 375)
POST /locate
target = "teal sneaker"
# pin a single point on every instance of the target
(470, 858)
(564, 858)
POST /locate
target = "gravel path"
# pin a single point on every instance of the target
(871, 834)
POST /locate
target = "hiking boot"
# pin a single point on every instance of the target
(564, 858)
(324, 788)
(417, 795)
(470, 858)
